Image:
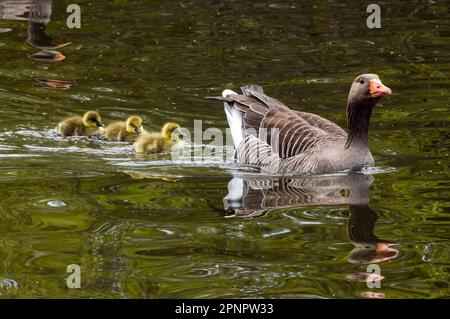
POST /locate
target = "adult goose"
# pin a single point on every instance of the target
(269, 135)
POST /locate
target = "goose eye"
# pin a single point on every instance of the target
(361, 81)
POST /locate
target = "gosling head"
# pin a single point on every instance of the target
(172, 131)
(134, 124)
(92, 119)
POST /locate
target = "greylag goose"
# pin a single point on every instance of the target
(269, 135)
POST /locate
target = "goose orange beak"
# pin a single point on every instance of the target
(377, 89)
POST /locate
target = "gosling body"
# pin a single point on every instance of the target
(125, 131)
(88, 125)
(159, 142)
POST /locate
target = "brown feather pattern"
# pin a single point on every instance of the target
(281, 133)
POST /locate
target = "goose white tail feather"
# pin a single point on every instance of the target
(227, 92)
(235, 119)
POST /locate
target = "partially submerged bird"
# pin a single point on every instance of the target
(269, 135)
(88, 125)
(123, 131)
(159, 142)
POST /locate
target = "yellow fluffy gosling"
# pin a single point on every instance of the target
(159, 142)
(127, 131)
(88, 125)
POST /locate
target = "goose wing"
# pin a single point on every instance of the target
(288, 132)
(322, 123)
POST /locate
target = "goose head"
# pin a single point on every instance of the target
(134, 125)
(366, 90)
(92, 119)
(172, 131)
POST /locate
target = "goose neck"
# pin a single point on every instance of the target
(358, 118)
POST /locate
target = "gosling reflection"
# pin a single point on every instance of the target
(38, 14)
(251, 196)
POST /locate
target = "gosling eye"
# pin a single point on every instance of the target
(361, 81)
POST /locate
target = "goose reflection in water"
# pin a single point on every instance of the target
(251, 196)
(38, 14)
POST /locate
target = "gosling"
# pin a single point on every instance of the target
(159, 142)
(88, 125)
(122, 131)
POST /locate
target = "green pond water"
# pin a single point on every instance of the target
(148, 227)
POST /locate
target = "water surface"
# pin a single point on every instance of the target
(146, 227)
